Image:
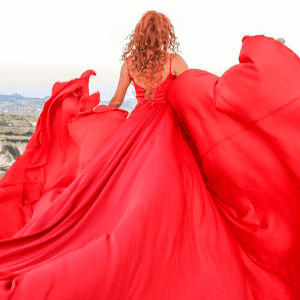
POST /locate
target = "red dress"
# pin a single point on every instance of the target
(194, 196)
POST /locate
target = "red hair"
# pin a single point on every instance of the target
(153, 32)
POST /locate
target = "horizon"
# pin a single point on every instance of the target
(18, 104)
(106, 93)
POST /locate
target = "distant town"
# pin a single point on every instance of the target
(17, 104)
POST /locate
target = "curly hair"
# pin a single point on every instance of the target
(153, 32)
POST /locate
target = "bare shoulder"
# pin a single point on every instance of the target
(179, 64)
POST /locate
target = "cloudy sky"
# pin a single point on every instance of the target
(48, 41)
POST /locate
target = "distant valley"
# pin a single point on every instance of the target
(18, 119)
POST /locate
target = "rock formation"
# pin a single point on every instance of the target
(15, 132)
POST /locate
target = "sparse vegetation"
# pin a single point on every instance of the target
(15, 132)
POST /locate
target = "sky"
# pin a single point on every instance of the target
(48, 41)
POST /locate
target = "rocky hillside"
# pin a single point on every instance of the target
(18, 118)
(15, 132)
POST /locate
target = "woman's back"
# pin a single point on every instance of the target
(178, 66)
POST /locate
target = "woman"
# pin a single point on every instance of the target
(148, 58)
(133, 218)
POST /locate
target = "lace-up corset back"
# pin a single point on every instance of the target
(159, 95)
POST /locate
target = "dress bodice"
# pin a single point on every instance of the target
(159, 95)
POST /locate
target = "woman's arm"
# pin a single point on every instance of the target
(115, 102)
(123, 85)
(180, 65)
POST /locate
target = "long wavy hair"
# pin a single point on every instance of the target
(153, 32)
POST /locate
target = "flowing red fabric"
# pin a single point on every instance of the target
(68, 134)
(194, 196)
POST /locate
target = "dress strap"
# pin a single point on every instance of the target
(170, 62)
